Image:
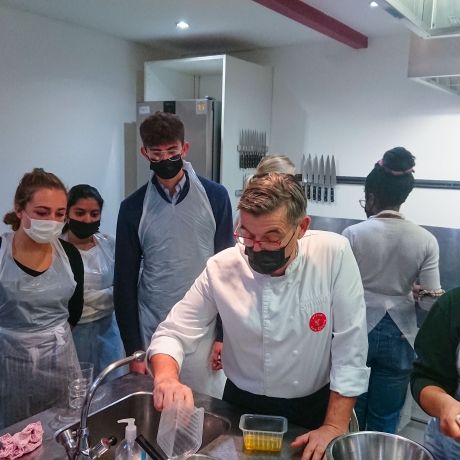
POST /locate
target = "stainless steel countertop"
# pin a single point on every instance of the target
(226, 447)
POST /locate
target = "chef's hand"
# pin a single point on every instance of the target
(168, 391)
(316, 441)
(216, 355)
(137, 367)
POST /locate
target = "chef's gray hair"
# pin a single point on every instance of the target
(266, 193)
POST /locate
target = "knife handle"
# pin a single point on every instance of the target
(332, 194)
(314, 193)
(325, 194)
(319, 193)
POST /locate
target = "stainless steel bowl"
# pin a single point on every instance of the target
(366, 445)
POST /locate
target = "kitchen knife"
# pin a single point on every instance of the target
(315, 176)
(327, 178)
(303, 165)
(333, 178)
(303, 161)
(320, 178)
(308, 175)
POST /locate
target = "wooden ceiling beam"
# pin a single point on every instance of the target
(311, 17)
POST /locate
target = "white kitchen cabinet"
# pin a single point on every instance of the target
(244, 89)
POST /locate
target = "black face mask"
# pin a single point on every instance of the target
(166, 169)
(83, 230)
(266, 262)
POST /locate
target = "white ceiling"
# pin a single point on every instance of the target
(215, 25)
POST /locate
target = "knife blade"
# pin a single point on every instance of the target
(333, 178)
(303, 162)
(320, 178)
(308, 175)
(314, 179)
(327, 178)
(303, 179)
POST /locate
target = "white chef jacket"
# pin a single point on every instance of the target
(392, 253)
(284, 336)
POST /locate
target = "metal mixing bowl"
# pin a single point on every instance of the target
(373, 445)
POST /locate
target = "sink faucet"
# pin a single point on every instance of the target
(77, 447)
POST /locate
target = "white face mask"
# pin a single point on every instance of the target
(44, 231)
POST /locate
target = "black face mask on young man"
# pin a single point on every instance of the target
(166, 169)
(83, 230)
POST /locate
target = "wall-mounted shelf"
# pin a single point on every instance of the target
(419, 183)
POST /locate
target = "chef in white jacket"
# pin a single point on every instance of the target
(293, 315)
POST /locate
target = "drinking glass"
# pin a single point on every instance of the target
(81, 380)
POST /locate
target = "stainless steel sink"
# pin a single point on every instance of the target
(140, 406)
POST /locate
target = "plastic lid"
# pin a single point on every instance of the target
(180, 432)
(130, 430)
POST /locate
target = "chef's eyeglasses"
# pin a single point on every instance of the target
(362, 202)
(241, 237)
(156, 155)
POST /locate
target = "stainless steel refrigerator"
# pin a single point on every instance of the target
(201, 118)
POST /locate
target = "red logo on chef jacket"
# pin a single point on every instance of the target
(318, 322)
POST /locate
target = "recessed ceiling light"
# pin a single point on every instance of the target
(182, 25)
(373, 4)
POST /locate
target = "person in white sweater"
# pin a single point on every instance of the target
(392, 253)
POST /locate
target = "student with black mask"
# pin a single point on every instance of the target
(172, 224)
(96, 336)
(392, 253)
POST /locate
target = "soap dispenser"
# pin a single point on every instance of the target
(128, 448)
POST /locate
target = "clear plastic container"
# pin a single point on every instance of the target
(180, 432)
(263, 433)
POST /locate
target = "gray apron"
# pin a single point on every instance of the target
(36, 347)
(177, 240)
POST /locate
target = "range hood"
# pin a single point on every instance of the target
(427, 18)
(436, 63)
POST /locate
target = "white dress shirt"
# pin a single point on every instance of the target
(392, 253)
(177, 189)
(284, 336)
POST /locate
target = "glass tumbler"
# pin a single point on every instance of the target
(81, 380)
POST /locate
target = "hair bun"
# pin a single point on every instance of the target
(398, 159)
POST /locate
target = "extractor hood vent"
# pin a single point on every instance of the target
(450, 84)
(427, 18)
(436, 63)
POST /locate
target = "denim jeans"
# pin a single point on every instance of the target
(390, 358)
(442, 447)
(99, 342)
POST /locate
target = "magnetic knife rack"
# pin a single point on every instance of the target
(252, 147)
(419, 183)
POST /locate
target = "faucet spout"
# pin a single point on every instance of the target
(83, 431)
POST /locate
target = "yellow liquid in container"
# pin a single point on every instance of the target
(263, 442)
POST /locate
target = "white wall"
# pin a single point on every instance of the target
(333, 100)
(247, 97)
(65, 94)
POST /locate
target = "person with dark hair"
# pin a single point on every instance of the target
(166, 232)
(293, 313)
(436, 376)
(41, 292)
(96, 336)
(392, 253)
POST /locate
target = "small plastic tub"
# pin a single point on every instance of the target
(263, 433)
